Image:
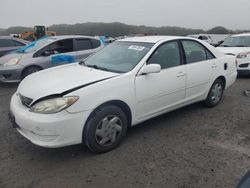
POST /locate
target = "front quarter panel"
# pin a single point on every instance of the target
(116, 88)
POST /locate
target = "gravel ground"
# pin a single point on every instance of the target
(190, 147)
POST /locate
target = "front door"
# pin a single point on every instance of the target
(157, 92)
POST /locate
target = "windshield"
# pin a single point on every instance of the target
(119, 57)
(241, 41)
(33, 46)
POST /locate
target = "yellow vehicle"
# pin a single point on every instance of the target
(39, 32)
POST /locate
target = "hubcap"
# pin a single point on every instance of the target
(216, 93)
(108, 130)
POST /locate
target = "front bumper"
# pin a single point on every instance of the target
(48, 130)
(243, 67)
(10, 73)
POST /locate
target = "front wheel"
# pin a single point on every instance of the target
(106, 129)
(215, 93)
(30, 70)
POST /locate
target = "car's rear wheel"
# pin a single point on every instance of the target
(215, 94)
(105, 129)
(30, 70)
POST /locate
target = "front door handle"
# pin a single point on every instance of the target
(181, 74)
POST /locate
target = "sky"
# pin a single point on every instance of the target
(197, 14)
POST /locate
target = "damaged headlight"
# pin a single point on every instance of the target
(54, 105)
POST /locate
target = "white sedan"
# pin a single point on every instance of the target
(128, 82)
(238, 46)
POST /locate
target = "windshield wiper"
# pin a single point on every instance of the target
(240, 46)
(224, 45)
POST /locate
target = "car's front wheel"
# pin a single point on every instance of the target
(105, 129)
(30, 70)
(215, 93)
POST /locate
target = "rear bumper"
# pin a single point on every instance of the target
(244, 72)
(10, 74)
(231, 78)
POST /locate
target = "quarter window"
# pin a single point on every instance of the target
(195, 52)
(167, 55)
(95, 43)
(83, 44)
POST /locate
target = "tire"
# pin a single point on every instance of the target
(105, 129)
(215, 93)
(30, 70)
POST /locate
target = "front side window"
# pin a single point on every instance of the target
(61, 46)
(167, 55)
(119, 56)
(6, 43)
(83, 44)
(195, 52)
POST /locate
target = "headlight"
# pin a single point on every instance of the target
(243, 55)
(54, 105)
(12, 61)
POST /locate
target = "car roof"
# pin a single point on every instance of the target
(151, 39)
(242, 35)
(14, 38)
(58, 37)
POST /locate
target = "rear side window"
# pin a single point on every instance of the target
(7, 43)
(83, 44)
(95, 43)
(195, 52)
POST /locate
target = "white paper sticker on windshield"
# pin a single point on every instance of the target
(139, 48)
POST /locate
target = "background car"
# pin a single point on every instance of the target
(8, 44)
(127, 82)
(45, 53)
(238, 46)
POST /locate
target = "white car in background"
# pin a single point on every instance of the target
(239, 46)
(125, 83)
(203, 37)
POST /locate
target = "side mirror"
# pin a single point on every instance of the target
(151, 68)
(245, 181)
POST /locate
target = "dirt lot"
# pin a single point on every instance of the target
(191, 147)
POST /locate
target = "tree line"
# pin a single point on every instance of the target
(118, 29)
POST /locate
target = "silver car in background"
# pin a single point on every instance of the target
(45, 53)
(8, 44)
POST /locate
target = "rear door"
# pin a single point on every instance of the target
(202, 68)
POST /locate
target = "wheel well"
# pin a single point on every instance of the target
(30, 67)
(222, 78)
(125, 108)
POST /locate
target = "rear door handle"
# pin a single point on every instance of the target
(181, 74)
(214, 66)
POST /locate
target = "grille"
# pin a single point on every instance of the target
(25, 100)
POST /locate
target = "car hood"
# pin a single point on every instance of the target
(7, 57)
(59, 80)
(233, 50)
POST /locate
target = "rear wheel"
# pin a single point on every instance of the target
(106, 129)
(30, 70)
(215, 93)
